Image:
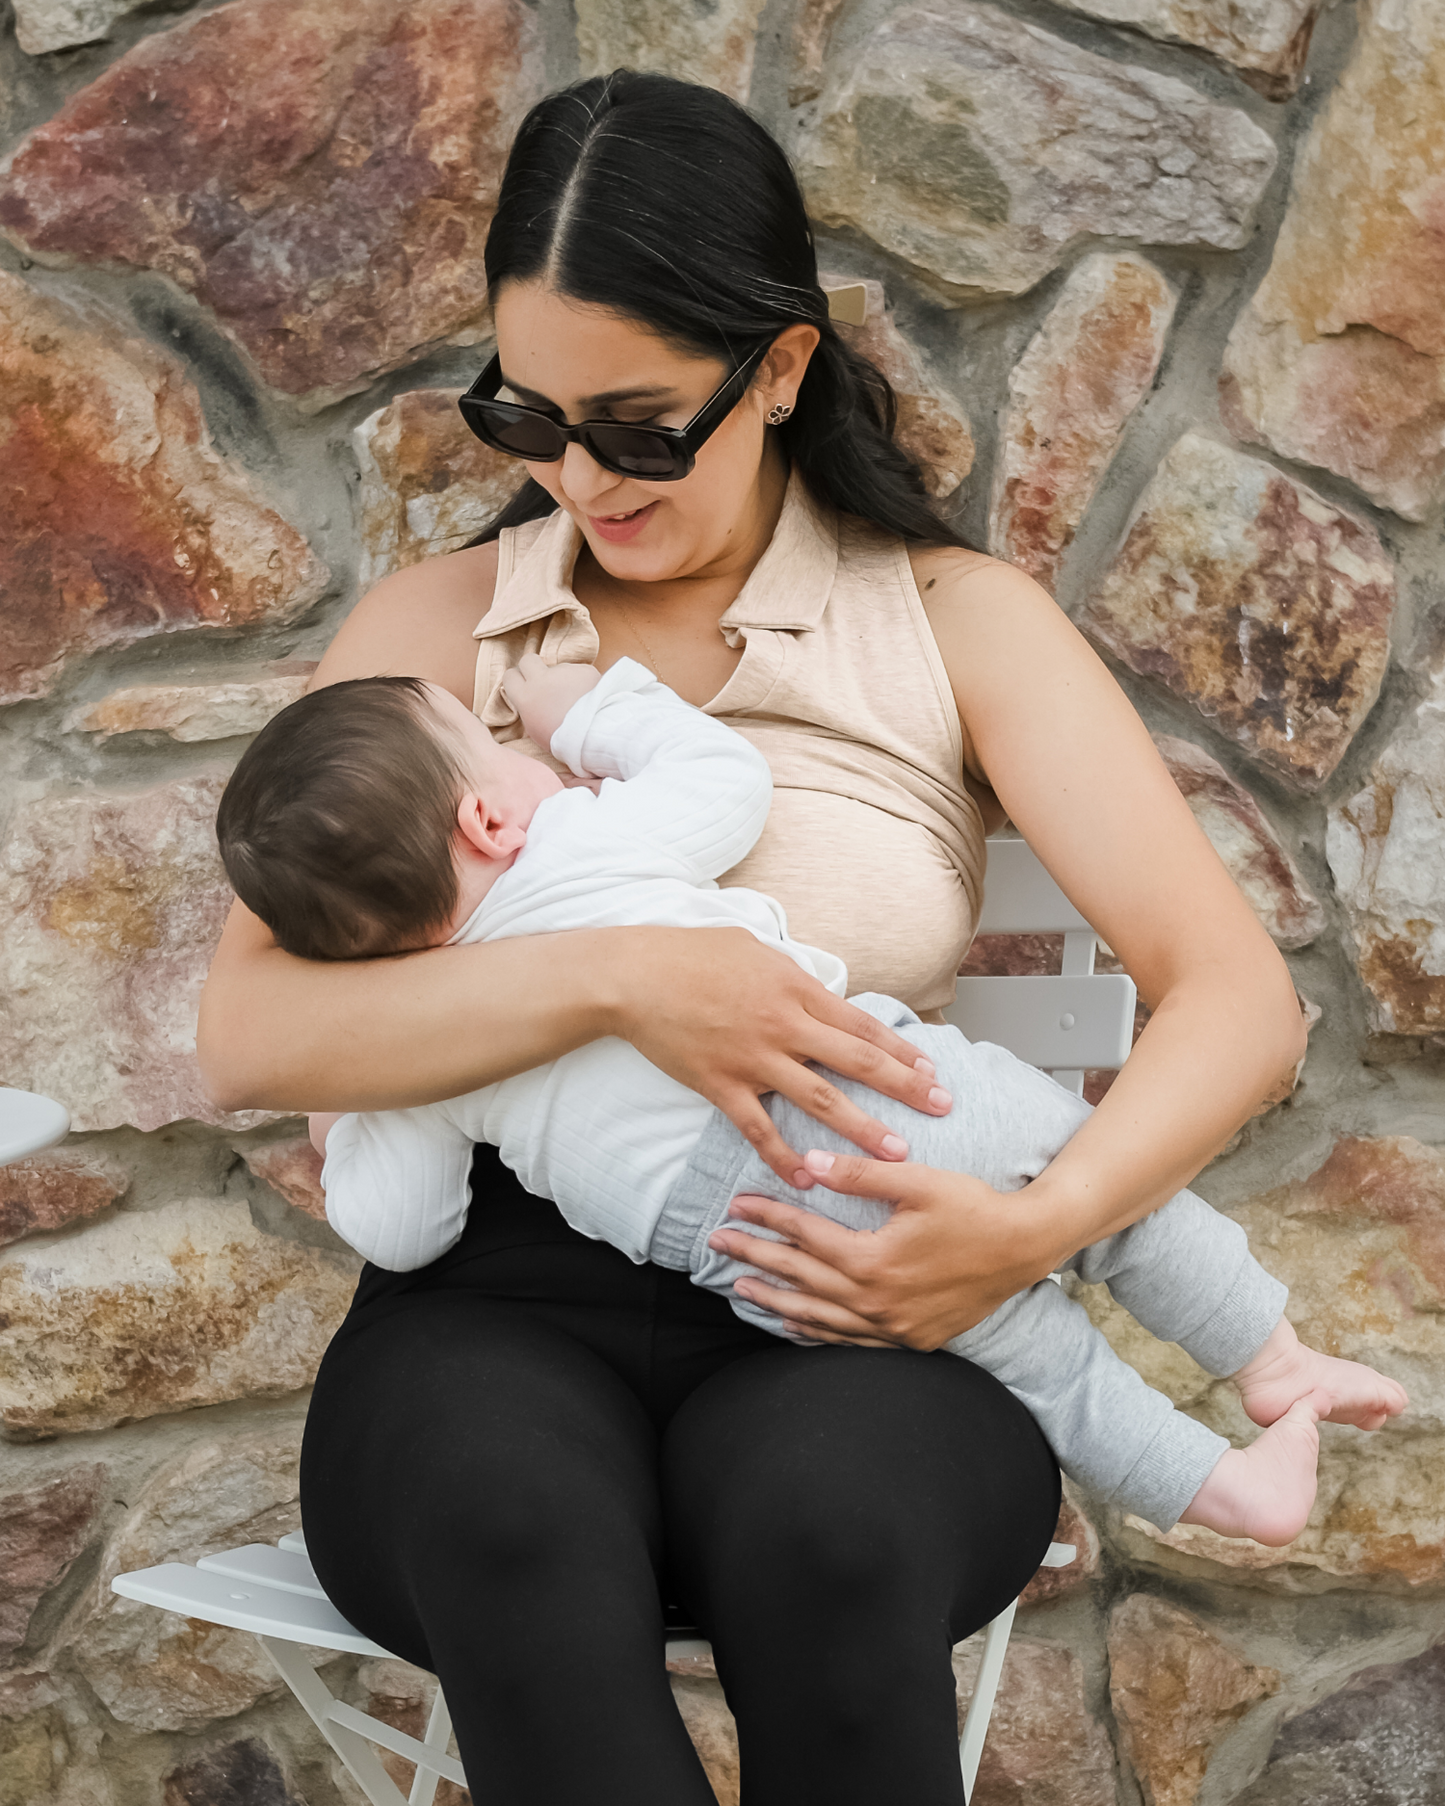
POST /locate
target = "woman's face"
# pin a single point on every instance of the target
(586, 363)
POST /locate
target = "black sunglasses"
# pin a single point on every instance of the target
(659, 454)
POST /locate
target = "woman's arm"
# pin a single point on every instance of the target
(714, 1008)
(1050, 732)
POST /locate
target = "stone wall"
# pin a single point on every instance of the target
(1162, 283)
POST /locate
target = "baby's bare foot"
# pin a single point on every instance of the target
(1285, 1371)
(1266, 1490)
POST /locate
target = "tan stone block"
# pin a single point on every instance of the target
(1339, 358)
(1043, 1745)
(121, 521)
(291, 1167)
(112, 904)
(45, 25)
(1387, 854)
(154, 1670)
(932, 426)
(191, 711)
(428, 484)
(1378, 1525)
(707, 41)
(1265, 40)
(812, 27)
(1238, 831)
(50, 1755)
(42, 1530)
(52, 1189)
(1070, 396)
(1256, 600)
(332, 216)
(979, 150)
(1361, 1245)
(1176, 1690)
(157, 1311)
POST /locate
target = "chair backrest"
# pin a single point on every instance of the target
(1067, 1023)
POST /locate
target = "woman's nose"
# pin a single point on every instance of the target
(585, 481)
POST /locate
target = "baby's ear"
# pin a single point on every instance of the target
(485, 831)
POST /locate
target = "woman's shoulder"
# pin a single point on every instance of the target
(419, 621)
(949, 569)
(960, 588)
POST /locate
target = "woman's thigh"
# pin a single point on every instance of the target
(479, 1491)
(838, 1518)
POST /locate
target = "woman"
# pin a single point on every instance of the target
(515, 1455)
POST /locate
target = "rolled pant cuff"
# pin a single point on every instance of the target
(1170, 1471)
(1236, 1330)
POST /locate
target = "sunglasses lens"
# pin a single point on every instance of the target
(516, 430)
(635, 452)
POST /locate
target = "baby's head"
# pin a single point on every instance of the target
(372, 816)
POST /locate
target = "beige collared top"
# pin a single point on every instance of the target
(873, 846)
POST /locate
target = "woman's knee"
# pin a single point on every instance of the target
(857, 1475)
(461, 1444)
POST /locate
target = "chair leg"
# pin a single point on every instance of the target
(361, 1762)
(438, 1736)
(980, 1707)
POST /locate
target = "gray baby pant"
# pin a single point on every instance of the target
(1185, 1272)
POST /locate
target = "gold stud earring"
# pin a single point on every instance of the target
(777, 415)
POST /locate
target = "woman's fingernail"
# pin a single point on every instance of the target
(818, 1161)
(895, 1147)
(803, 1179)
(924, 1066)
(940, 1099)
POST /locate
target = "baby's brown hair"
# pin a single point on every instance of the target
(336, 827)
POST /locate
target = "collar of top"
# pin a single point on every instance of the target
(787, 590)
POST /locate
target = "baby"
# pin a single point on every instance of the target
(380, 816)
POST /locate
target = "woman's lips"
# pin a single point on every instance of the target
(617, 531)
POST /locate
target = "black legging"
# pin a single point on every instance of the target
(513, 1456)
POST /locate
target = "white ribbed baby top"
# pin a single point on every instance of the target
(601, 1131)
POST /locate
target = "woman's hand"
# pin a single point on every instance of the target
(733, 1019)
(952, 1252)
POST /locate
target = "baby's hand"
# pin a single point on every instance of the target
(320, 1124)
(542, 693)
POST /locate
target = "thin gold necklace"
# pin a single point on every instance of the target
(641, 639)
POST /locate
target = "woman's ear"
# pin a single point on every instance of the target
(487, 832)
(787, 360)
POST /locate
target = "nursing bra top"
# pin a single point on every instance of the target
(873, 846)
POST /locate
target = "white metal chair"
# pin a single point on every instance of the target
(28, 1123)
(1077, 1020)
(1064, 1023)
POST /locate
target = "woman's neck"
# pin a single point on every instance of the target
(714, 585)
(671, 625)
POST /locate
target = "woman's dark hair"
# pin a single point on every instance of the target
(670, 204)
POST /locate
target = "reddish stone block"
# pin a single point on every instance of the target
(1176, 1690)
(117, 518)
(42, 1530)
(1070, 397)
(1257, 601)
(53, 1189)
(292, 1168)
(332, 215)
